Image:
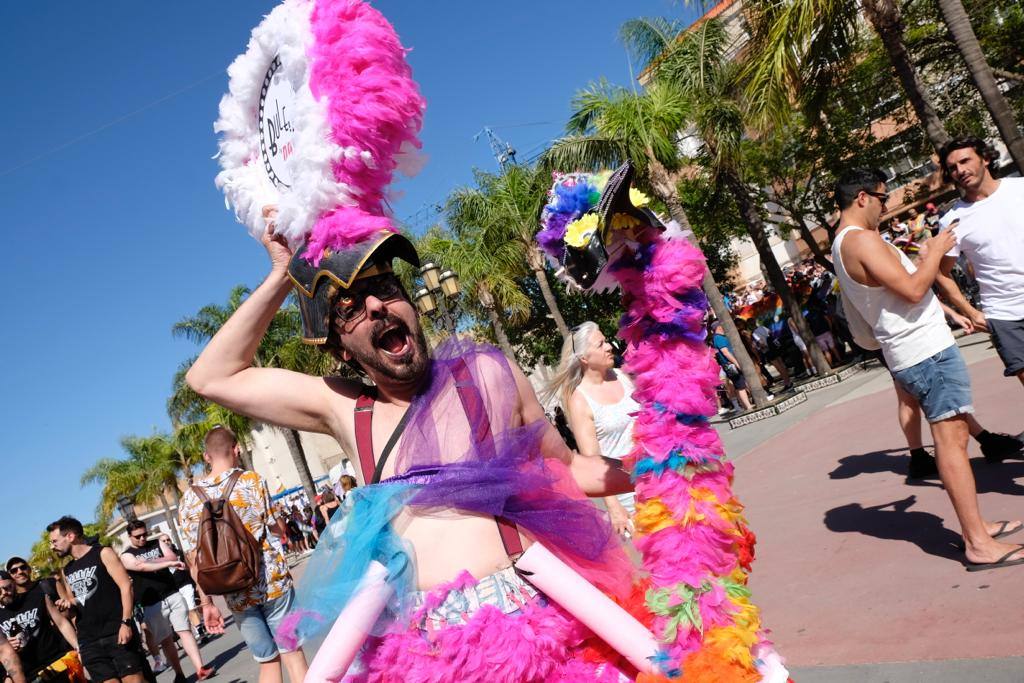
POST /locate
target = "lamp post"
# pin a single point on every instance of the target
(126, 506)
(439, 296)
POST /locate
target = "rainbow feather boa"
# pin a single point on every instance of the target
(690, 529)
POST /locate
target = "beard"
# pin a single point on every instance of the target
(394, 351)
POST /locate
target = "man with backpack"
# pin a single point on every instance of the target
(226, 521)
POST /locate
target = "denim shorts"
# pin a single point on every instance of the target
(259, 623)
(940, 384)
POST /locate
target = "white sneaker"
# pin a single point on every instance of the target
(159, 664)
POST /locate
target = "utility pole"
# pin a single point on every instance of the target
(502, 151)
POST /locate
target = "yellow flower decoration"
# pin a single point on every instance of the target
(638, 198)
(579, 232)
(623, 221)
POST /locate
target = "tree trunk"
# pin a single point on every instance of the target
(536, 260)
(172, 520)
(756, 230)
(887, 21)
(294, 442)
(499, 332)
(717, 303)
(959, 26)
(812, 244)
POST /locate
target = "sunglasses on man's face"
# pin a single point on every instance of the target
(139, 537)
(880, 196)
(352, 304)
(21, 569)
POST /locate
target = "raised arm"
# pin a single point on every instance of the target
(595, 475)
(134, 564)
(225, 371)
(883, 265)
(124, 584)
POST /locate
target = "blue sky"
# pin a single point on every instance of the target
(115, 228)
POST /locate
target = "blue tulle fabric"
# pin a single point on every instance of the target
(358, 534)
(505, 476)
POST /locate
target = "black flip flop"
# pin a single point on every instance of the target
(998, 564)
(1002, 533)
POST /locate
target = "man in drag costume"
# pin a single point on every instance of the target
(471, 552)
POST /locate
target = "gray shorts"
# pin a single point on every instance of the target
(167, 616)
(1008, 338)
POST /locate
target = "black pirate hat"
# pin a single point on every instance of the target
(317, 286)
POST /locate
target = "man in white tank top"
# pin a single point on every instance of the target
(890, 305)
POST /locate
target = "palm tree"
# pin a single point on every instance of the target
(149, 470)
(959, 25)
(507, 207)
(800, 43)
(610, 125)
(488, 270)
(695, 64)
(277, 345)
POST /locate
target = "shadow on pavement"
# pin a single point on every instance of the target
(889, 460)
(896, 522)
(227, 655)
(1000, 478)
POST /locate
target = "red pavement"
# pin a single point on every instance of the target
(855, 566)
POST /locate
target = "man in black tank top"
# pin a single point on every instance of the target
(149, 564)
(37, 630)
(102, 590)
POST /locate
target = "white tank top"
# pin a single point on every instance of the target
(613, 422)
(907, 333)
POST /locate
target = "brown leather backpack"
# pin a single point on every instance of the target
(228, 556)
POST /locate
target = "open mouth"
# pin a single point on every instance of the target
(393, 340)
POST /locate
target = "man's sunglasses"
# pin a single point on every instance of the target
(139, 536)
(880, 196)
(20, 569)
(350, 306)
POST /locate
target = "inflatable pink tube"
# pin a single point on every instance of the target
(351, 628)
(580, 598)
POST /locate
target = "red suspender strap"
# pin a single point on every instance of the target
(364, 434)
(473, 406)
(480, 425)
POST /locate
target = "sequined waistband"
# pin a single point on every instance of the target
(503, 589)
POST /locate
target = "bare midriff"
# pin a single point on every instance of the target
(447, 543)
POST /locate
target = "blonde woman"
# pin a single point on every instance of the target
(597, 400)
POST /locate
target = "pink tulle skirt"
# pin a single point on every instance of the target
(537, 643)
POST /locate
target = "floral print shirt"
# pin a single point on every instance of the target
(251, 500)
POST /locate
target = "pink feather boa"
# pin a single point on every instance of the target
(358, 65)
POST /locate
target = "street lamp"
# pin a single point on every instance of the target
(438, 298)
(126, 506)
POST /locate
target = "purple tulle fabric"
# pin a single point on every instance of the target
(505, 476)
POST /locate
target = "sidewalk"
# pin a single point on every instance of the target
(858, 571)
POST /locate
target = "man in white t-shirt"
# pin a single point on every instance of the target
(989, 227)
(889, 304)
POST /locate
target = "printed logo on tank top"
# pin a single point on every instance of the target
(27, 622)
(83, 583)
(154, 553)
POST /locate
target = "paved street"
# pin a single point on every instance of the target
(857, 573)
